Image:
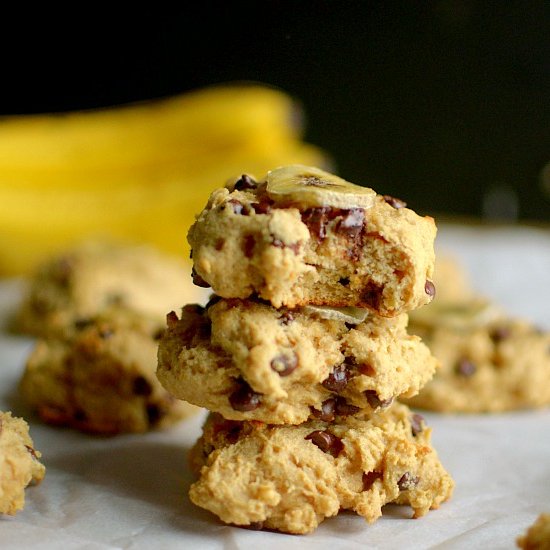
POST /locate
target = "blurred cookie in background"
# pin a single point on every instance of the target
(98, 275)
(99, 377)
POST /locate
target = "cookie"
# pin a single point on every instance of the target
(98, 275)
(489, 362)
(19, 463)
(100, 377)
(537, 536)
(290, 478)
(249, 361)
(302, 236)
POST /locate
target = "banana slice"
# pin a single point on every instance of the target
(311, 187)
(351, 315)
(472, 314)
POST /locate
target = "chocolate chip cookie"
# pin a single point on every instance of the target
(490, 362)
(19, 463)
(537, 536)
(249, 361)
(101, 275)
(301, 236)
(99, 377)
(290, 478)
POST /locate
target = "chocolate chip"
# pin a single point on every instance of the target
(375, 402)
(351, 223)
(249, 243)
(198, 280)
(244, 398)
(371, 295)
(407, 481)
(316, 220)
(343, 408)
(344, 281)
(262, 207)
(326, 414)
(369, 478)
(499, 334)
(396, 203)
(154, 413)
(219, 244)
(337, 380)
(464, 367)
(245, 182)
(284, 364)
(286, 318)
(237, 207)
(141, 386)
(417, 424)
(429, 288)
(83, 323)
(327, 442)
(80, 415)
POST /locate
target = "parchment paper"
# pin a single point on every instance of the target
(131, 491)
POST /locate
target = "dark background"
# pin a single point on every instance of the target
(443, 103)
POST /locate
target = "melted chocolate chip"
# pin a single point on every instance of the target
(327, 442)
(396, 203)
(244, 398)
(198, 280)
(351, 223)
(316, 220)
(372, 295)
(284, 364)
(326, 414)
(369, 478)
(337, 380)
(417, 424)
(219, 244)
(465, 367)
(141, 386)
(375, 402)
(429, 288)
(407, 481)
(249, 243)
(245, 182)
(499, 334)
(262, 207)
(343, 408)
(238, 207)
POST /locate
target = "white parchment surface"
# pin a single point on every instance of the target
(131, 491)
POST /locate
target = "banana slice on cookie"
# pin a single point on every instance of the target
(351, 315)
(311, 187)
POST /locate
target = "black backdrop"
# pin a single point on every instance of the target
(444, 103)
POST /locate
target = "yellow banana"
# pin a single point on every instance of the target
(46, 148)
(153, 209)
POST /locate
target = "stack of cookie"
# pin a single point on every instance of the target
(302, 351)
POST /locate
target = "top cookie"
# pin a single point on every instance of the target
(302, 236)
(95, 276)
